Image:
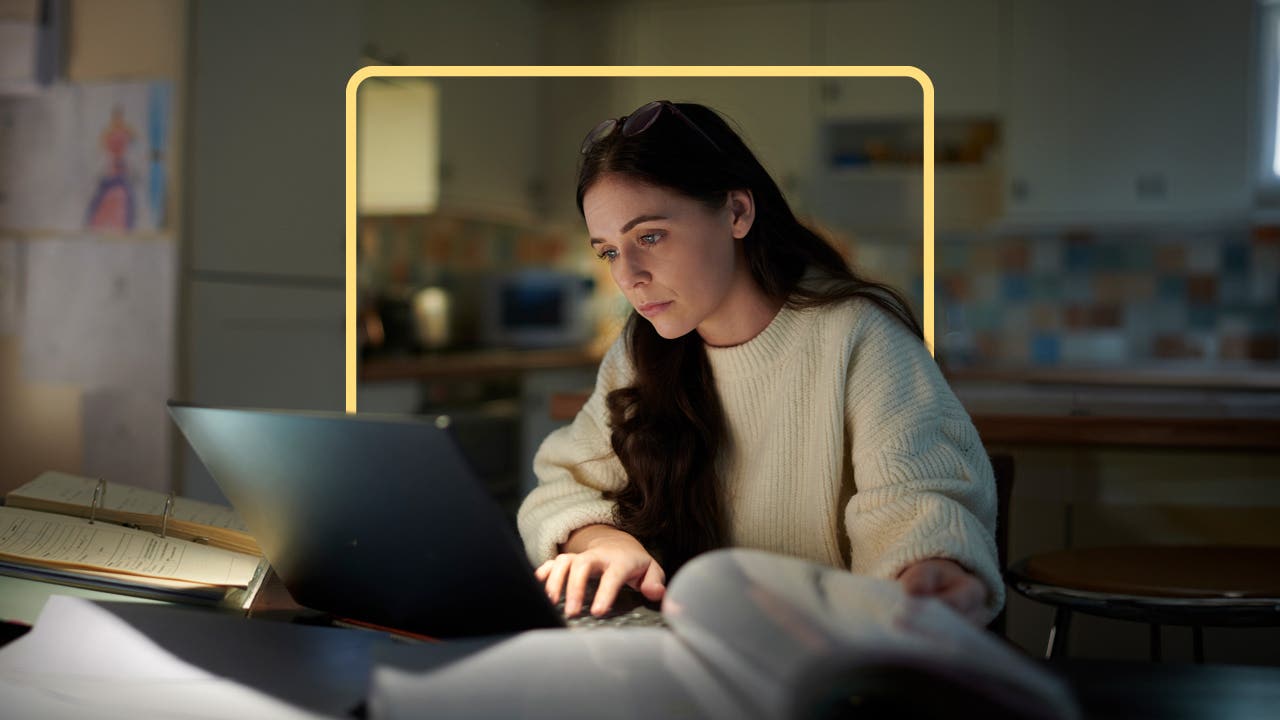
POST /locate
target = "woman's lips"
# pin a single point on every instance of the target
(651, 309)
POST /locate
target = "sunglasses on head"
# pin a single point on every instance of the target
(637, 122)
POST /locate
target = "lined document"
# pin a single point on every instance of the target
(74, 542)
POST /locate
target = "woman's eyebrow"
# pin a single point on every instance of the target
(630, 224)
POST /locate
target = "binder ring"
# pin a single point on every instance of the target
(168, 510)
(99, 497)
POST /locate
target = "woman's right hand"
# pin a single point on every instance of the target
(602, 550)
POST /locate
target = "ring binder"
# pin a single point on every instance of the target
(168, 511)
(99, 497)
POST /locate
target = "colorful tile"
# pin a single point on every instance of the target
(1045, 316)
(1202, 317)
(1170, 258)
(1046, 349)
(1046, 255)
(1110, 287)
(1235, 258)
(1171, 288)
(1014, 288)
(1203, 256)
(1080, 257)
(1202, 289)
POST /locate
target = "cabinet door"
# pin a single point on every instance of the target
(488, 126)
(774, 115)
(488, 133)
(955, 43)
(1126, 111)
(266, 179)
(265, 346)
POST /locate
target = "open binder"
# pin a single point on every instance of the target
(81, 531)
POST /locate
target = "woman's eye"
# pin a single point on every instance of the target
(608, 255)
(650, 238)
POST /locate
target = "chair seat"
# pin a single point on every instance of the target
(1191, 572)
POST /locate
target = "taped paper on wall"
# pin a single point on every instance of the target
(99, 314)
(125, 438)
(89, 156)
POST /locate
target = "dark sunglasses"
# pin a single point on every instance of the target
(637, 122)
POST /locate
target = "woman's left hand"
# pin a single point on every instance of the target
(948, 582)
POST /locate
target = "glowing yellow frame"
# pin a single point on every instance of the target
(907, 71)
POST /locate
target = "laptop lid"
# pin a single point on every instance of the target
(374, 518)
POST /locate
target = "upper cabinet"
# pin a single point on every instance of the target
(1126, 111)
(489, 127)
(956, 43)
(266, 162)
(774, 114)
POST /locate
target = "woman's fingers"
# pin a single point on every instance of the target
(555, 577)
(653, 586)
(579, 572)
(607, 590)
(967, 596)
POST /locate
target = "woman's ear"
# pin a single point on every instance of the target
(742, 207)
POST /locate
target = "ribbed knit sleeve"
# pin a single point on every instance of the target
(924, 484)
(574, 465)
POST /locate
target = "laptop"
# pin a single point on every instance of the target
(377, 519)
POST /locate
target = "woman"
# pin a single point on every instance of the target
(761, 394)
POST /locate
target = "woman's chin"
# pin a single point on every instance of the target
(669, 330)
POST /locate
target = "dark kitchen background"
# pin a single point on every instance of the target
(1107, 233)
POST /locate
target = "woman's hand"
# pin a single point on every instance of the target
(948, 582)
(602, 550)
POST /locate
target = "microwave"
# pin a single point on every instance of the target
(537, 309)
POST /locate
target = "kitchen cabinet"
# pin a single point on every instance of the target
(1125, 111)
(488, 126)
(262, 282)
(774, 114)
(266, 161)
(258, 345)
(956, 43)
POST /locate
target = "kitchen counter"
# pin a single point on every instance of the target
(1032, 413)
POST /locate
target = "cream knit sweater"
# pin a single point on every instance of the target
(846, 447)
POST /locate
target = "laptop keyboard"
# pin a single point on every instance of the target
(630, 609)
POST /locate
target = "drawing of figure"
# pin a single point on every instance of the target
(112, 206)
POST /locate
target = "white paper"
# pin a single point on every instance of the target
(81, 660)
(607, 674)
(18, 42)
(41, 187)
(100, 314)
(769, 622)
(125, 439)
(85, 157)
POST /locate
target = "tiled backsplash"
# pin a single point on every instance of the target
(1100, 298)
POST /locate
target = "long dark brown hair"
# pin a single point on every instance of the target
(668, 427)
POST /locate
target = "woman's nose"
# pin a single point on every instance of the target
(630, 271)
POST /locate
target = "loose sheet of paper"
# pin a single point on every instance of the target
(82, 660)
(100, 314)
(603, 674)
(125, 438)
(74, 542)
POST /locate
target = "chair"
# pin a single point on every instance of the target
(1002, 469)
(1196, 586)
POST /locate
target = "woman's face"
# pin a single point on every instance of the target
(679, 263)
